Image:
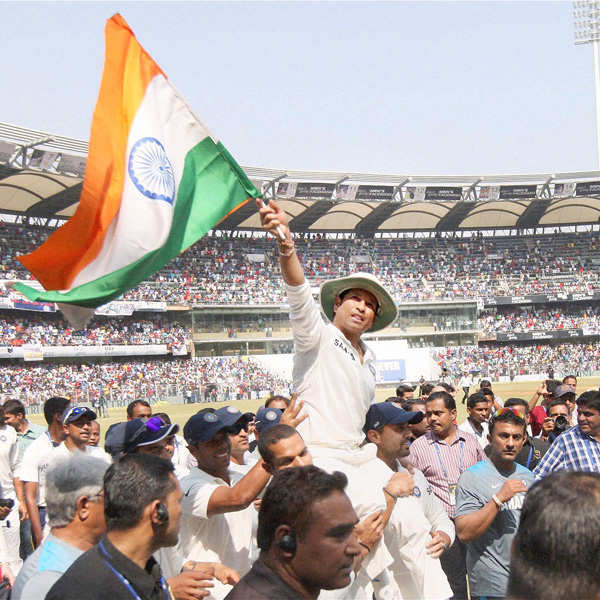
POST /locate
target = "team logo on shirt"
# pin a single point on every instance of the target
(417, 492)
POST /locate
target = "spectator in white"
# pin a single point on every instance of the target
(94, 433)
(35, 462)
(27, 432)
(139, 409)
(75, 505)
(334, 373)
(478, 411)
(76, 424)
(306, 538)
(465, 382)
(489, 498)
(426, 530)
(552, 518)
(217, 503)
(181, 458)
(577, 449)
(9, 486)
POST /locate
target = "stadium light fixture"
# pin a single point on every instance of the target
(586, 15)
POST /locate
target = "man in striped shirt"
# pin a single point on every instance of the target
(577, 449)
(443, 454)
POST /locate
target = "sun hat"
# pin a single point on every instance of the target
(387, 310)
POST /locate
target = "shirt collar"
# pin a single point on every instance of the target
(145, 581)
(432, 438)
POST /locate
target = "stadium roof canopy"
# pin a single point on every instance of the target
(41, 176)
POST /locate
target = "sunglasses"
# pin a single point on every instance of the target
(152, 424)
(235, 429)
(76, 411)
(505, 410)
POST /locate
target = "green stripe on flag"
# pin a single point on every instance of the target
(212, 185)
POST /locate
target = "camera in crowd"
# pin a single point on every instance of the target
(561, 424)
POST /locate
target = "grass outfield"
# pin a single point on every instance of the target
(179, 413)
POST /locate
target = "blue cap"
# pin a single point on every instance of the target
(72, 413)
(129, 435)
(205, 424)
(387, 413)
(267, 417)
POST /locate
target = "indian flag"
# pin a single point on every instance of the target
(156, 181)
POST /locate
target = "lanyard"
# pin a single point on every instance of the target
(462, 458)
(529, 457)
(125, 582)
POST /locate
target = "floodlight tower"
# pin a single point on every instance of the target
(586, 14)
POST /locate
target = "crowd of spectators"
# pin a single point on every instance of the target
(217, 269)
(540, 318)
(119, 382)
(51, 330)
(495, 361)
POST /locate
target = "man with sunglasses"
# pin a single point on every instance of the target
(238, 437)
(217, 511)
(76, 422)
(489, 498)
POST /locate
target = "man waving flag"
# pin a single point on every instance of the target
(156, 181)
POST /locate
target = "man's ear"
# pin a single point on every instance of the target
(83, 508)
(279, 533)
(153, 512)
(453, 414)
(267, 467)
(373, 436)
(336, 303)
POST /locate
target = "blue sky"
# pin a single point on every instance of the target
(398, 87)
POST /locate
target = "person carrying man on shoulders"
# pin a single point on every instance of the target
(334, 372)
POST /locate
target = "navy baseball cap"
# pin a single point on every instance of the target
(387, 413)
(72, 413)
(129, 435)
(205, 424)
(267, 417)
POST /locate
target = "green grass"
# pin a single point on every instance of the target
(180, 413)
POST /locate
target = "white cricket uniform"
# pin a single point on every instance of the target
(35, 463)
(337, 390)
(225, 538)
(482, 437)
(417, 574)
(181, 458)
(9, 469)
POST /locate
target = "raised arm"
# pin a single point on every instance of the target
(273, 217)
(536, 395)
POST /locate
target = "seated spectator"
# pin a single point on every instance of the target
(75, 509)
(556, 552)
(142, 511)
(487, 520)
(305, 535)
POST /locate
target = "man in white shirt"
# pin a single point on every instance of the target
(334, 373)
(35, 462)
(77, 427)
(426, 530)
(465, 382)
(217, 511)
(478, 411)
(9, 465)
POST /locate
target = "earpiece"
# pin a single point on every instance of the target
(162, 513)
(288, 543)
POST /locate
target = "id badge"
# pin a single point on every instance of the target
(452, 490)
